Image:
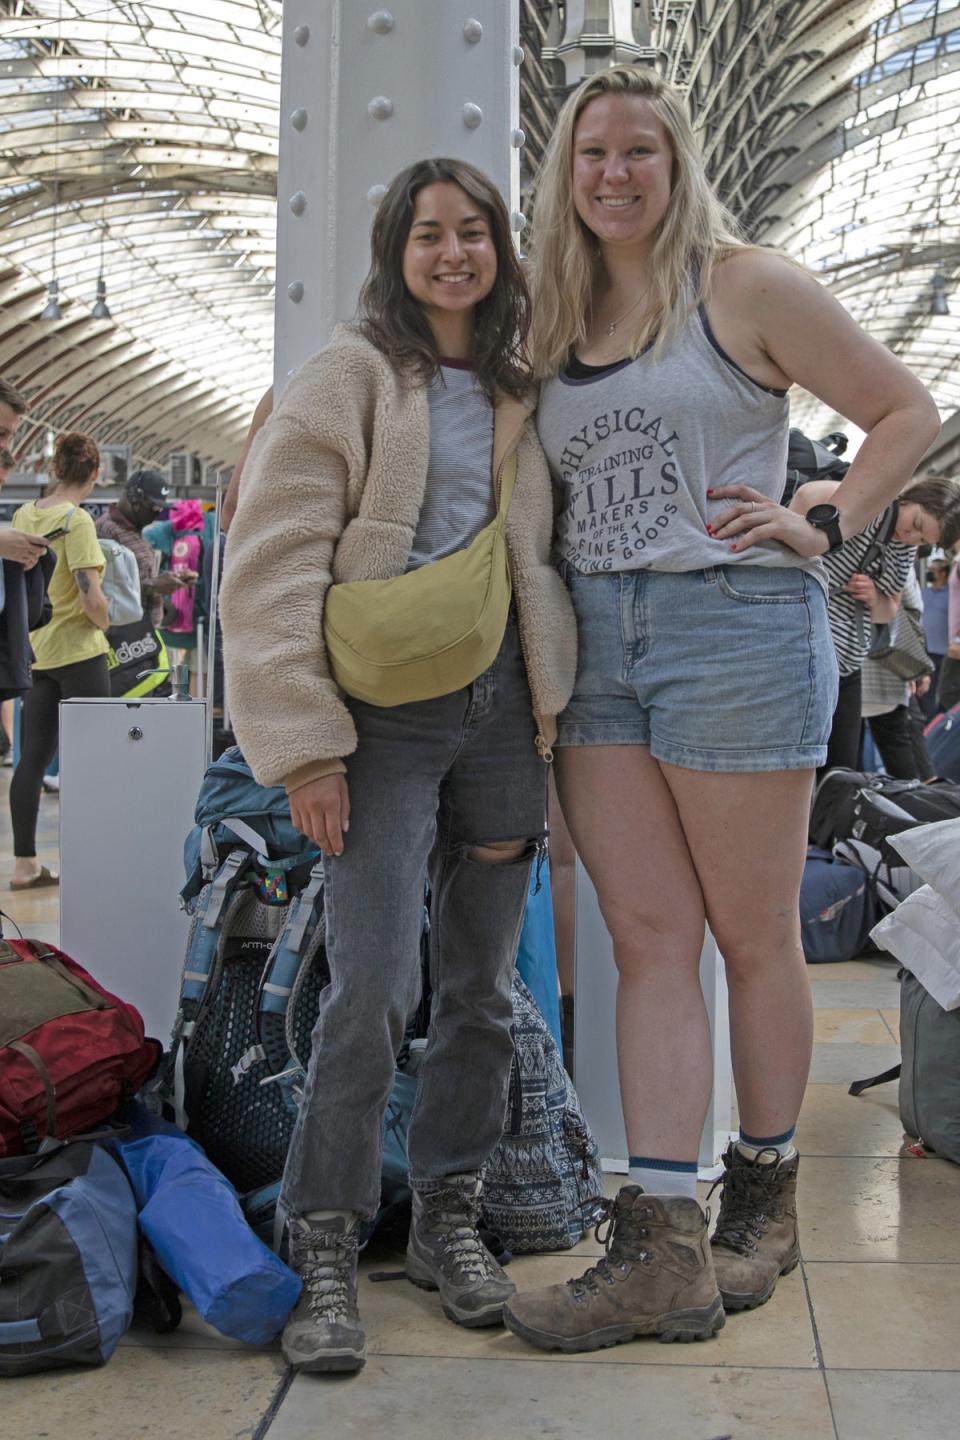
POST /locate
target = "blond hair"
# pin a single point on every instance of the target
(695, 232)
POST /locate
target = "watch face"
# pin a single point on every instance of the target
(822, 514)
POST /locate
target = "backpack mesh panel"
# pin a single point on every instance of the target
(243, 1126)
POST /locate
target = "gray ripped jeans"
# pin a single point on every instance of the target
(427, 782)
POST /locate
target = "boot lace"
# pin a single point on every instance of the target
(451, 1215)
(326, 1263)
(622, 1242)
(750, 1194)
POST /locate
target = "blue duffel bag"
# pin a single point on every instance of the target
(191, 1216)
(838, 908)
(68, 1258)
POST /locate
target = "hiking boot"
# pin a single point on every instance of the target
(324, 1331)
(445, 1252)
(656, 1278)
(755, 1241)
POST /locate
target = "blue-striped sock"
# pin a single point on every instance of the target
(664, 1177)
(751, 1145)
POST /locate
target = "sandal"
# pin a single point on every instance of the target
(44, 878)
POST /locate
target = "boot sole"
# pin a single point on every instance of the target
(682, 1326)
(418, 1274)
(332, 1362)
(734, 1300)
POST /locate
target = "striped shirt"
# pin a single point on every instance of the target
(850, 621)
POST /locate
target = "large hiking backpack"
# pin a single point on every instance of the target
(541, 1184)
(943, 741)
(68, 1258)
(70, 1052)
(252, 975)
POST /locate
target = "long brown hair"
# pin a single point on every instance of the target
(393, 321)
(696, 231)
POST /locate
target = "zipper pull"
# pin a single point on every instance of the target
(543, 749)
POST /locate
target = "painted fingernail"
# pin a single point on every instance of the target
(709, 489)
(709, 529)
(733, 547)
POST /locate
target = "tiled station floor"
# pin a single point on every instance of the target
(862, 1342)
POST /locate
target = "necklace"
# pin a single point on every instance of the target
(614, 323)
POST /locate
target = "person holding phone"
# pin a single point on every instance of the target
(71, 651)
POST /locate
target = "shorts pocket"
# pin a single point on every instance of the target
(757, 585)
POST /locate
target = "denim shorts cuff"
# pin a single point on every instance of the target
(602, 732)
(740, 762)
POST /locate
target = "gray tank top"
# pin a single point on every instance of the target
(634, 449)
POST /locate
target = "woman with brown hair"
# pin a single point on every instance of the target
(71, 651)
(387, 456)
(705, 674)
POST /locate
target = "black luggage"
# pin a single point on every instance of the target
(854, 805)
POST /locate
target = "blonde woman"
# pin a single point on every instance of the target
(706, 678)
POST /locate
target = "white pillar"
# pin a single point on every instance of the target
(366, 90)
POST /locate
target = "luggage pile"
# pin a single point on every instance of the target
(854, 874)
(193, 1206)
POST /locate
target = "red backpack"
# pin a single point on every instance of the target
(70, 1052)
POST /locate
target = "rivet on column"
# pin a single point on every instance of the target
(302, 34)
(298, 203)
(518, 139)
(381, 22)
(295, 291)
(375, 194)
(299, 119)
(472, 116)
(518, 56)
(472, 32)
(380, 108)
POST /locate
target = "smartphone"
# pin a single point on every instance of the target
(54, 534)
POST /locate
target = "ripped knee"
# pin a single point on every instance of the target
(499, 852)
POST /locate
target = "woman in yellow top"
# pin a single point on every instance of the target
(71, 651)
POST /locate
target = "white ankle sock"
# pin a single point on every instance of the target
(664, 1177)
(750, 1147)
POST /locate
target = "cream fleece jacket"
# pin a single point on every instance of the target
(331, 492)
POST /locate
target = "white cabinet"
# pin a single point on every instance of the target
(130, 771)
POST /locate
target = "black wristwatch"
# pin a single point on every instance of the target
(827, 519)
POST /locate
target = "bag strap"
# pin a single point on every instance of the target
(879, 540)
(28, 1053)
(858, 1086)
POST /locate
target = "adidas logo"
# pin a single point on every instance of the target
(136, 649)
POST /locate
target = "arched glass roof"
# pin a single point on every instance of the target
(140, 143)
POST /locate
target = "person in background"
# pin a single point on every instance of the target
(25, 569)
(936, 631)
(887, 702)
(145, 496)
(71, 651)
(948, 689)
(260, 417)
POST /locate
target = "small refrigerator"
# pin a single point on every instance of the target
(130, 772)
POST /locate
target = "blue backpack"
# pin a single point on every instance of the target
(838, 908)
(68, 1258)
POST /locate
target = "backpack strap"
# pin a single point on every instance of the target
(28, 1053)
(223, 884)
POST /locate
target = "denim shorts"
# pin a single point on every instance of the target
(726, 669)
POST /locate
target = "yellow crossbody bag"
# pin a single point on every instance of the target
(429, 632)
